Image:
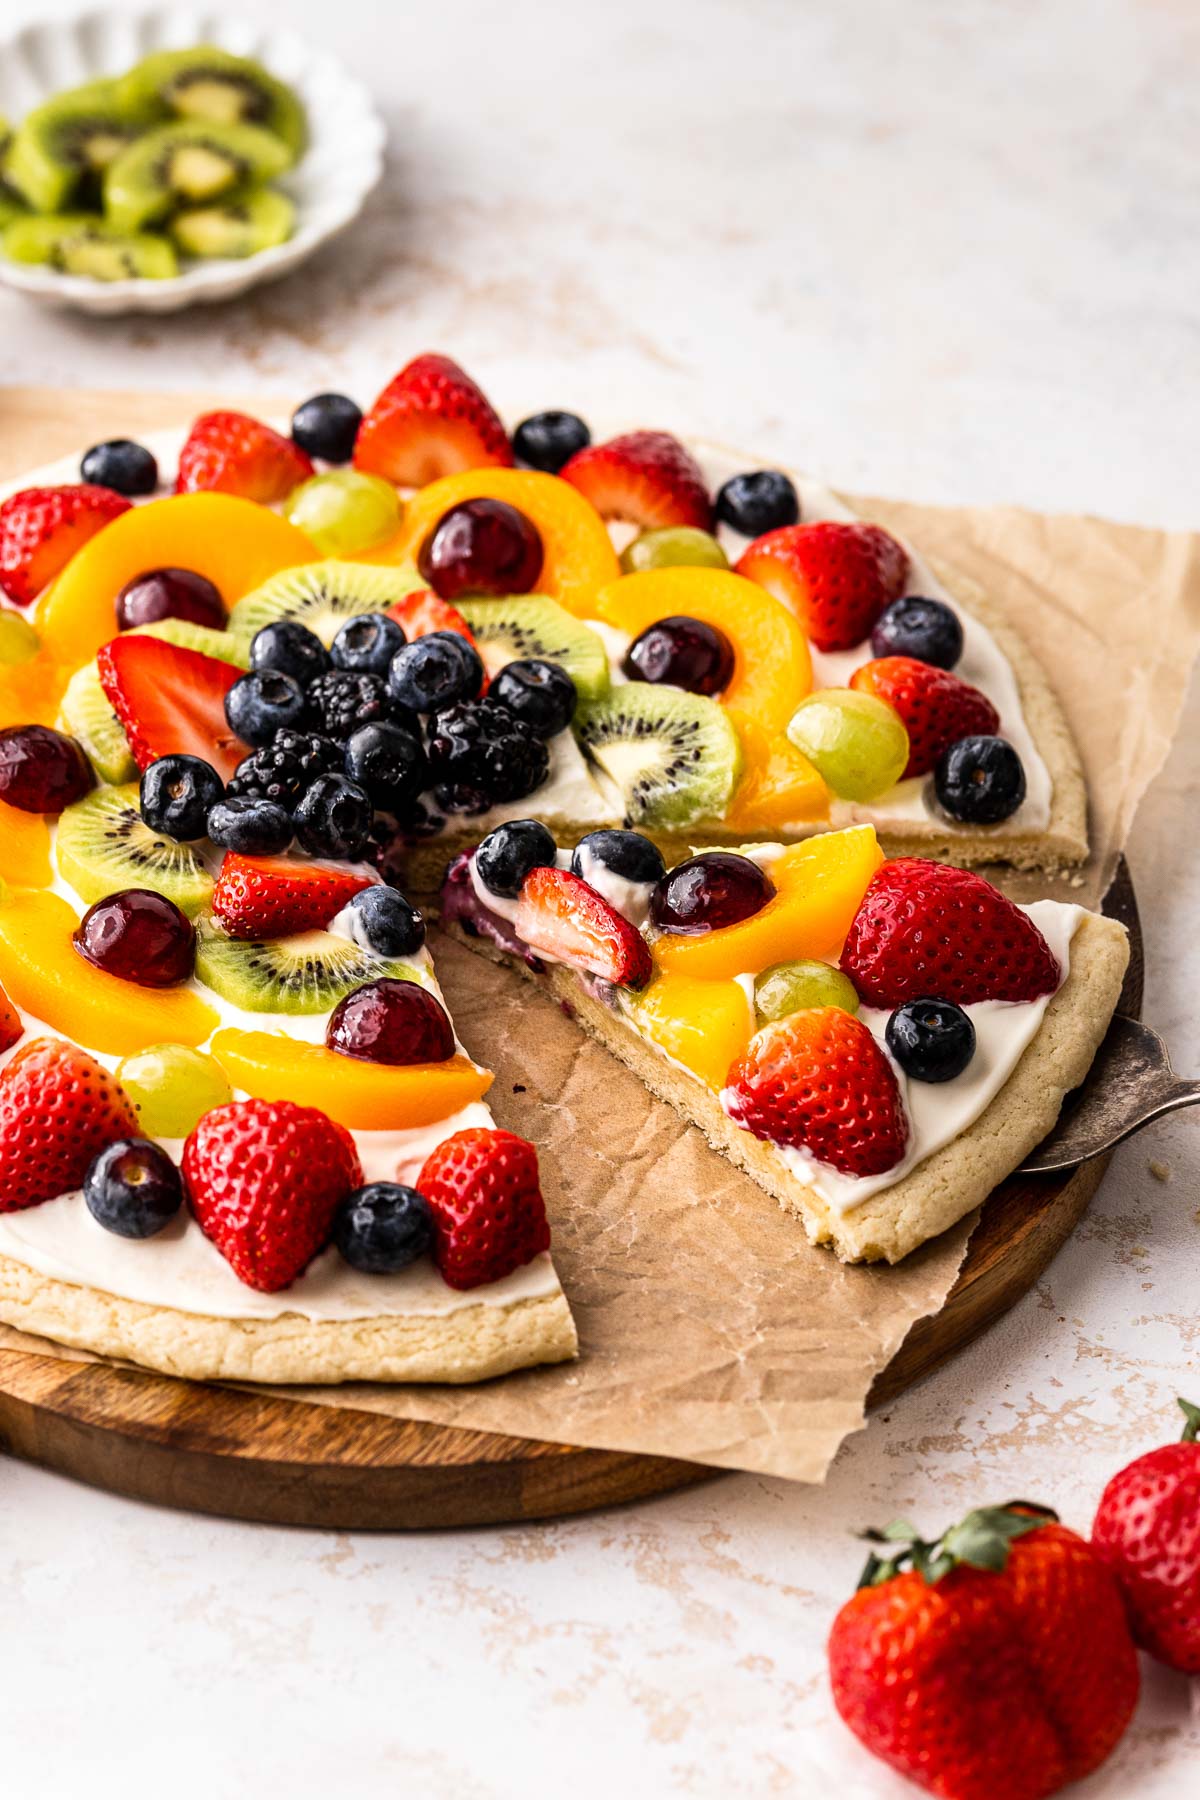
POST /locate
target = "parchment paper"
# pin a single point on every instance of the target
(709, 1329)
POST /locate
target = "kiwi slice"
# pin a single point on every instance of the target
(219, 89)
(61, 149)
(323, 596)
(190, 636)
(181, 163)
(675, 757)
(307, 973)
(104, 845)
(242, 224)
(534, 626)
(80, 244)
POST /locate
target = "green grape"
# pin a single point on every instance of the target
(787, 987)
(675, 546)
(172, 1087)
(856, 742)
(18, 640)
(344, 512)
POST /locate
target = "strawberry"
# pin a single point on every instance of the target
(925, 931)
(268, 897)
(42, 528)
(644, 477)
(1147, 1529)
(10, 1023)
(837, 578)
(818, 1081)
(430, 420)
(423, 611)
(997, 1666)
(937, 708)
(489, 1217)
(265, 1179)
(566, 920)
(58, 1109)
(231, 453)
(171, 701)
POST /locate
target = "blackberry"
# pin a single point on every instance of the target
(345, 699)
(481, 753)
(285, 768)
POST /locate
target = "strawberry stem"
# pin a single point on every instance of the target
(1191, 1430)
(980, 1541)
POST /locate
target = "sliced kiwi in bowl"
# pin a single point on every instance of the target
(217, 88)
(241, 224)
(105, 845)
(309, 972)
(675, 757)
(322, 596)
(187, 163)
(532, 625)
(82, 244)
(60, 150)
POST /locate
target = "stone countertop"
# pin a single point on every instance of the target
(946, 250)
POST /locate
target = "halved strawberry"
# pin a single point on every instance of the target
(231, 453)
(10, 1023)
(837, 578)
(267, 897)
(489, 1217)
(937, 707)
(59, 1108)
(559, 915)
(42, 528)
(430, 420)
(171, 701)
(644, 477)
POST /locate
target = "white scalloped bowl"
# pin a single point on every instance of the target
(329, 185)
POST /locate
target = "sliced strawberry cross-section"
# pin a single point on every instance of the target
(268, 897)
(171, 701)
(231, 453)
(559, 915)
(430, 420)
(489, 1217)
(644, 477)
(42, 528)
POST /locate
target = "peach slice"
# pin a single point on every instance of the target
(780, 786)
(24, 848)
(44, 974)
(819, 887)
(235, 543)
(30, 692)
(772, 669)
(705, 1025)
(363, 1096)
(578, 557)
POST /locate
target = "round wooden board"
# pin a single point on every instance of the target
(217, 1450)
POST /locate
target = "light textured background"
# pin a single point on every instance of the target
(946, 249)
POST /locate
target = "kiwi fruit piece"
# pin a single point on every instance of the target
(81, 244)
(306, 973)
(60, 150)
(217, 88)
(183, 163)
(674, 756)
(240, 225)
(104, 845)
(534, 626)
(322, 596)
(190, 636)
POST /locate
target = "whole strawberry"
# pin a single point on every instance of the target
(231, 453)
(996, 1665)
(58, 1108)
(42, 528)
(929, 931)
(1147, 1529)
(936, 707)
(645, 477)
(265, 1179)
(837, 578)
(489, 1217)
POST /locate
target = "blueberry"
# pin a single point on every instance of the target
(366, 644)
(334, 818)
(541, 694)
(133, 1188)
(290, 648)
(624, 853)
(176, 795)
(932, 1040)
(262, 703)
(384, 921)
(758, 502)
(326, 426)
(253, 827)
(549, 439)
(435, 671)
(389, 763)
(914, 626)
(980, 780)
(383, 1227)
(120, 464)
(507, 854)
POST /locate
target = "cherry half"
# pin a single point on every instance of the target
(140, 936)
(709, 891)
(170, 594)
(481, 547)
(683, 653)
(390, 1021)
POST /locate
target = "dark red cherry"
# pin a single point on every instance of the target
(481, 547)
(41, 770)
(391, 1021)
(709, 891)
(683, 653)
(140, 936)
(170, 594)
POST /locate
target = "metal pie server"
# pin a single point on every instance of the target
(1131, 1083)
